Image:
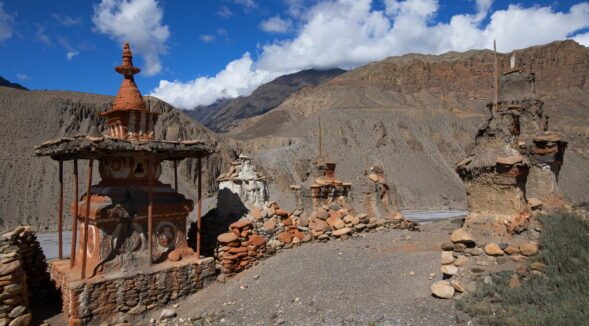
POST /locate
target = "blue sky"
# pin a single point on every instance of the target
(194, 52)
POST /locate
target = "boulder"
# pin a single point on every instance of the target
(257, 240)
(461, 236)
(303, 220)
(284, 237)
(373, 177)
(457, 286)
(167, 314)
(270, 224)
(227, 237)
(447, 246)
(447, 258)
(281, 213)
(449, 270)
(341, 232)
(512, 250)
(240, 224)
(256, 213)
(492, 249)
(443, 290)
(529, 248)
(461, 261)
(335, 222)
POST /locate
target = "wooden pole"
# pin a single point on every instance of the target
(198, 206)
(150, 212)
(86, 219)
(60, 212)
(176, 175)
(496, 78)
(74, 217)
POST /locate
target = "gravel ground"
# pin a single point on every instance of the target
(379, 278)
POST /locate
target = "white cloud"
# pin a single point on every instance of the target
(349, 33)
(138, 22)
(65, 20)
(6, 21)
(239, 77)
(248, 4)
(276, 25)
(206, 37)
(224, 12)
(71, 54)
(22, 77)
(42, 37)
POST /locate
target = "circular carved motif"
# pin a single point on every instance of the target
(166, 235)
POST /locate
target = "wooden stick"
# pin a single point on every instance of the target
(150, 213)
(60, 213)
(74, 217)
(496, 78)
(86, 219)
(198, 206)
(176, 175)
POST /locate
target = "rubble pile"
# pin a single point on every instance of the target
(464, 261)
(239, 247)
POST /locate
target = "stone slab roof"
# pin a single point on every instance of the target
(88, 147)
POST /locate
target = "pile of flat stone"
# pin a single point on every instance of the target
(14, 304)
(462, 258)
(268, 229)
(239, 248)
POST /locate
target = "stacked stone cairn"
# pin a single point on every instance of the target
(270, 229)
(463, 262)
(24, 280)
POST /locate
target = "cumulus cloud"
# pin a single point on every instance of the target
(276, 25)
(239, 77)
(138, 22)
(6, 21)
(224, 12)
(248, 4)
(22, 77)
(349, 33)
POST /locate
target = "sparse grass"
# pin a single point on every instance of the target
(558, 297)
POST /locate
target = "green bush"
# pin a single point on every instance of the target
(560, 296)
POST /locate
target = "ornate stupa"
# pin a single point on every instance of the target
(132, 226)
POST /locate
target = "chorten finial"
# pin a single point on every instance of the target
(129, 96)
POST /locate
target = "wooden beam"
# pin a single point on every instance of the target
(150, 212)
(74, 217)
(176, 175)
(86, 219)
(60, 213)
(198, 205)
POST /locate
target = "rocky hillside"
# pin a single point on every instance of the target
(415, 115)
(225, 114)
(29, 187)
(7, 83)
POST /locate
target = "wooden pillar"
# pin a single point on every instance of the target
(74, 217)
(198, 206)
(60, 213)
(86, 219)
(150, 212)
(176, 175)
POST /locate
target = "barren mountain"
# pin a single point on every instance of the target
(29, 184)
(224, 114)
(415, 115)
(7, 83)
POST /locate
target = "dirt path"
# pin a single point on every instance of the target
(379, 278)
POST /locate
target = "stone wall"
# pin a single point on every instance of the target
(23, 276)
(270, 229)
(132, 293)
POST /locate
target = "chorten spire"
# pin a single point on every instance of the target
(128, 97)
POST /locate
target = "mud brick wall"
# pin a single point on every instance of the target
(132, 294)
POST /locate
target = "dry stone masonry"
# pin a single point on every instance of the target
(243, 180)
(23, 276)
(515, 160)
